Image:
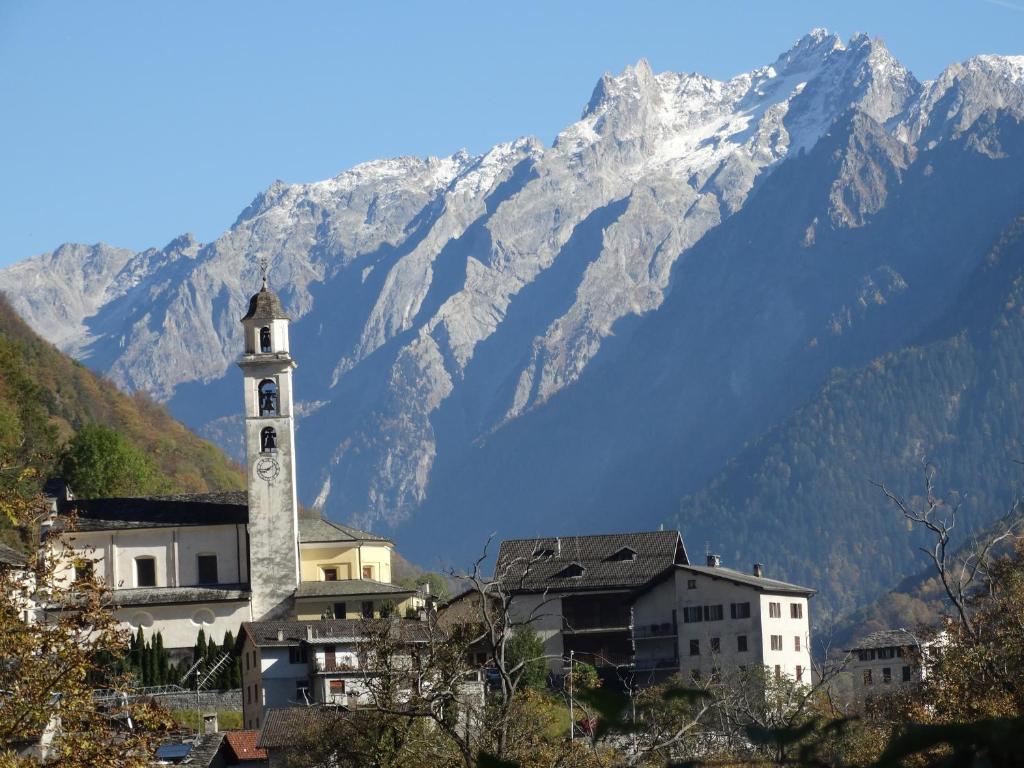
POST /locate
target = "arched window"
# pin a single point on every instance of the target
(265, 345)
(268, 440)
(145, 572)
(268, 398)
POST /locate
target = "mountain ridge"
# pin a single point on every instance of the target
(445, 307)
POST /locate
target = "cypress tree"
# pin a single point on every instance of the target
(139, 658)
(199, 651)
(162, 662)
(150, 671)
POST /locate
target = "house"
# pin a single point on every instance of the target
(300, 663)
(284, 728)
(178, 564)
(886, 661)
(577, 591)
(699, 619)
(240, 748)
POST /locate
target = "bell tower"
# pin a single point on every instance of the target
(270, 456)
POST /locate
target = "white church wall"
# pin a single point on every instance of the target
(180, 623)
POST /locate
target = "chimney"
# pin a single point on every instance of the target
(280, 635)
(211, 723)
(714, 560)
(309, 632)
(758, 570)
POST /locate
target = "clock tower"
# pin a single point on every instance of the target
(270, 457)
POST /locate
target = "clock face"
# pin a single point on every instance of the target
(267, 468)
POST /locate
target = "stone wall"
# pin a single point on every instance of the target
(209, 701)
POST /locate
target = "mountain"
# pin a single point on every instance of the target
(578, 336)
(45, 397)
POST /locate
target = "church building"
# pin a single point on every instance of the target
(178, 564)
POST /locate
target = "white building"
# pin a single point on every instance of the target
(701, 619)
(300, 663)
(178, 564)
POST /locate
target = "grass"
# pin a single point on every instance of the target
(227, 719)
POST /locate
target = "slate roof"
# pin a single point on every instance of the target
(265, 634)
(282, 727)
(748, 579)
(229, 507)
(11, 556)
(536, 565)
(316, 529)
(349, 588)
(886, 638)
(202, 753)
(163, 595)
(264, 305)
(243, 745)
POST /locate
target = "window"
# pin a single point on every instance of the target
(713, 613)
(799, 673)
(367, 609)
(886, 653)
(739, 610)
(248, 695)
(774, 610)
(796, 610)
(695, 647)
(692, 614)
(336, 687)
(886, 674)
(741, 643)
(796, 643)
(83, 568)
(906, 674)
(368, 571)
(268, 440)
(297, 654)
(867, 677)
(691, 583)
(776, 642)
(899, 652)
(302, 691)
(330, 574)
(716, 645)
(339, 611)
(265, 345)
(268, 398)
(623, 554)
(207, 567)
(145, 572)
(571, 571)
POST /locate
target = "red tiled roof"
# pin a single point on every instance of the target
(243, 744)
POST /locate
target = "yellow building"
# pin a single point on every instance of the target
(346, 574)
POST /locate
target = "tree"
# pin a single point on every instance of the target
(51, 666)
(525, 650)
(98, 462)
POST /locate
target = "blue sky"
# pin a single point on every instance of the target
(133, 122)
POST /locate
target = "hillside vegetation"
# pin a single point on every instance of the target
(954, 400)
(46, 398)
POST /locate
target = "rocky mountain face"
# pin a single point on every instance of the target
(566, 338)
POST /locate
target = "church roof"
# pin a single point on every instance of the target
(349, 588)
(317, 529)
(223, 508)
(264, 305)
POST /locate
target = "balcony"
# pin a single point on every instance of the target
(656, 664)
(654, 631)
(327, 667)
(592, 628)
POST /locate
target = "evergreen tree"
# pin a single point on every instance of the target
(162, 660)
(199, 651)
(139, 656)
(151, 664)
